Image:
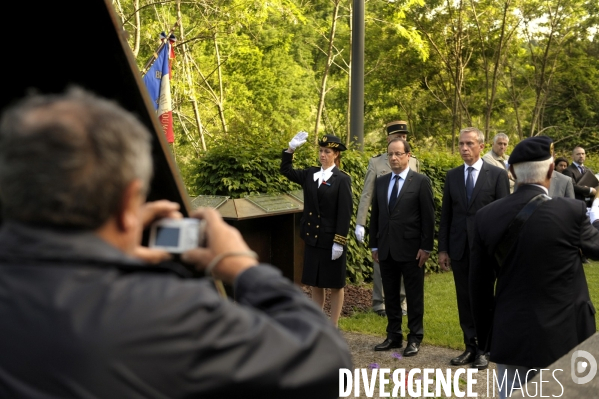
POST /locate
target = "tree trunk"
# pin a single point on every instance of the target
(329, 61)
(187, 71)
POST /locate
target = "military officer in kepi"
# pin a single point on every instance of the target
(379, 166)
(325, 221)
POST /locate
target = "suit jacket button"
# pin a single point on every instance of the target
(317, 226)
(307, 234)
(308, 224)
(316, 236)
(310, 213)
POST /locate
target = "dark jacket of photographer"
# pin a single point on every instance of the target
(82, 320)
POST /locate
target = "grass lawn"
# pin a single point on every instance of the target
(441, 325)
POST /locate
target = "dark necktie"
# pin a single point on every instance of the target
(582, 169)
(469, 183)
(394, 193)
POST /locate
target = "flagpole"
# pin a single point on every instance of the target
(155, 55)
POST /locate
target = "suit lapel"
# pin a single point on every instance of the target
(480, 181)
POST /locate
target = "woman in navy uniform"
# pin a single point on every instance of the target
(325, 221)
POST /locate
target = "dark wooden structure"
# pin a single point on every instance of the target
(274, 236)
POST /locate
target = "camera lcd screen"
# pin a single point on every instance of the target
(167, 236)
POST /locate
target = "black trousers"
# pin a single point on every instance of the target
(461, 270)
(392, 272)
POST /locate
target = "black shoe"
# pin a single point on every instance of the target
(381, 312)
(481, 362)
(464, 358)
(388, 344)
(411, 349)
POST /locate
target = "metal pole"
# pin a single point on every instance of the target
(356, 125)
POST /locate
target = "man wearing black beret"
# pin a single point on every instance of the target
(531, 305)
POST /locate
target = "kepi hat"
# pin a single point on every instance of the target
(532, 149)
(397, 127)
(330, 141)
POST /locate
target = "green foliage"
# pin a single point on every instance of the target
(247, 165)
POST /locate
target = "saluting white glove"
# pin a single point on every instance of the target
(337, 251)
(360, 232)
(298, 140)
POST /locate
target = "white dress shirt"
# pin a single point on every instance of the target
(402, 178)
(477, 167)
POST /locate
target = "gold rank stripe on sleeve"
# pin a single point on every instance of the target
(340, 239)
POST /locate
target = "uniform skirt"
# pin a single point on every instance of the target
(320, 271)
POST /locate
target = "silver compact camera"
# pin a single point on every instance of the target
(177, 235)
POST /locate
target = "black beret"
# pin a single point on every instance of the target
(397, 127)
(330, 141)
(532, 149)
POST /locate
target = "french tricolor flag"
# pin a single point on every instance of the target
(157, 81)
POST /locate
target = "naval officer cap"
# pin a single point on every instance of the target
(330, 141)
(397, 127)
(532, 149)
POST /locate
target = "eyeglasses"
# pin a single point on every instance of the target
(397, 154)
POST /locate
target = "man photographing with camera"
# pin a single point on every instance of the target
(86, 312)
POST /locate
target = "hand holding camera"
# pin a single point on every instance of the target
(226, 252)
(150, 212)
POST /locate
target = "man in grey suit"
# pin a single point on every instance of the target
(379, 166)
(402, 227)
(467, 188)
(561, 186)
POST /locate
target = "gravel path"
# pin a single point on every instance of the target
(359, 298)
(363, 355)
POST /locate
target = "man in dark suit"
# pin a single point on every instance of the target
(402, 227)
(575, 170)
(468, 188)
(535, 307)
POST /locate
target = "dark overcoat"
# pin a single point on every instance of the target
(542, 305)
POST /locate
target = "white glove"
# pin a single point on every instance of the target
(298, 140)
(594, 213)
(337, 251)
(360, 232)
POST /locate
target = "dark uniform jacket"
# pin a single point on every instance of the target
(457, 216)
(542, 305)
(410, 226)
(82, 320)
(327, 209)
